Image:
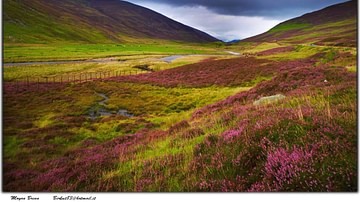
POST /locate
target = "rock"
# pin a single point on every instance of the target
(269, 99)
(143, 67)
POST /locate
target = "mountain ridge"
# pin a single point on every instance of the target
(339, 20)
(94, 21)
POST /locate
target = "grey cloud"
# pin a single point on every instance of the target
(266, 8)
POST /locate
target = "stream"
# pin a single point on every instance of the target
(171, 58)
(233, 53)
(100, 110)
(167, 59)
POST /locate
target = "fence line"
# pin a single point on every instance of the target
(39, 82)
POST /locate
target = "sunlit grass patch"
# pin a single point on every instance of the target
(56, 51)
(261, 47)
(352, 68)
(300, 52)
(45, 120)
(154, 100)
(289, 26)
(12, 145)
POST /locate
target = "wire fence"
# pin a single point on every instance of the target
(46, 81)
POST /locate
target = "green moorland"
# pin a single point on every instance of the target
(188, 138)
(280, 117)
(328, 33)
(59, 51)
(120, 64)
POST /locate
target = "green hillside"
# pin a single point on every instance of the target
(334, 25)
(90, 21)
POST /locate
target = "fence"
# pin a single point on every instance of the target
(39, 82)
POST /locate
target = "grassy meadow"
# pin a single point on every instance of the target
(14, 52)
(121, 64)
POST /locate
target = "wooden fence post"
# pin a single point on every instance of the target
(16, 86)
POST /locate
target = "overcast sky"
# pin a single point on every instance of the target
(233, 19)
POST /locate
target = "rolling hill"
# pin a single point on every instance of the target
(333, 25)
(90, 21)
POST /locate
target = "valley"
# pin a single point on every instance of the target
(273, 113)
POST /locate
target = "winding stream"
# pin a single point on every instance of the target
(233, 53)
(167, 59)
(171, 58)
(100, 110)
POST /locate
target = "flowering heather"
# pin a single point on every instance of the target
(275, 51)
(304, 142)
(193, 132)
(284, 153)
(295, 78)
(178, 127)
(232, 134)
(230, 72)
(283, 166)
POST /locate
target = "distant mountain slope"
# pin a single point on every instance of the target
(334, 25)
(90, 21)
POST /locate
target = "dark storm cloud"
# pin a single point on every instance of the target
(266, 8)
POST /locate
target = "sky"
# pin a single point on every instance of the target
(233, 19)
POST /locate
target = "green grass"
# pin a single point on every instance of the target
(45, 121)
(56, 52)
(147, 99)
(124, 64)
(159, 106)
(12, 145)
(300, 52)
(22, 26)
(331, 55)
(289, 26)
(311, 34)
(333, 25)
(250, 47)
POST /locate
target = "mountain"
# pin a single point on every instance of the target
(333, 25)
(233, 41)
(90, 21)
